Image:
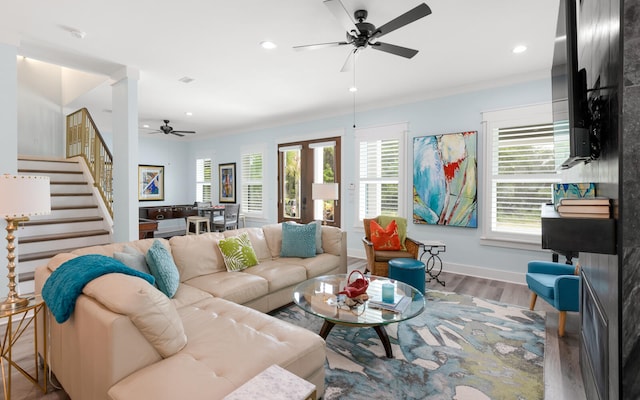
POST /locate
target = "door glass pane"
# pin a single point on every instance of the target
(291, 182)
(324, 172)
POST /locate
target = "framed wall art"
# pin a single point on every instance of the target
(445, 179)
(150, 182)
(227, 190)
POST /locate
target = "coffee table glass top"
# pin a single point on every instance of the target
(318, 296)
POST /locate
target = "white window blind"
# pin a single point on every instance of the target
(252, 183)
(203, 179)
(380, 172)
(522, 168)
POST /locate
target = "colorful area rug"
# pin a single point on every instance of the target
(461, 348)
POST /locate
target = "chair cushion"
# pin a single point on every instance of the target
(541, 284)
(238, 252)
(386, 238)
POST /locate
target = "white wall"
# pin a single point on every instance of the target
(444, 115)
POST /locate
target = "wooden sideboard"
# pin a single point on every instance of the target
(170, 220)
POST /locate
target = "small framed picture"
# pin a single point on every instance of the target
(150, 182)
(227, 174)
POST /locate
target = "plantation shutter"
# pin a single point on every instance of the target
(203, 179)
(379, 177)
(252, 183)
(523, 165)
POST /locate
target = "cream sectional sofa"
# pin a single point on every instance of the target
(127, 340)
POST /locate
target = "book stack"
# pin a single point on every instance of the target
(594, 207)
(399, 304)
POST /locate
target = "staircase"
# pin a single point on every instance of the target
(78, 218)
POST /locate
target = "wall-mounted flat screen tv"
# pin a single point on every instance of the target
(569, 92)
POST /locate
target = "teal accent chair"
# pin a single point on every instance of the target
(558, 284)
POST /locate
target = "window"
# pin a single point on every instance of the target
(380, 174)
(252, 184)
(203, 179)
(521, 168)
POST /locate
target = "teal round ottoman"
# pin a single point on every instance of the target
(408, 270)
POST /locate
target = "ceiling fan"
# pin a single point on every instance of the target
(166, 129)
(363, 34)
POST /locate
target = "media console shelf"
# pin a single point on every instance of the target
(589, 235)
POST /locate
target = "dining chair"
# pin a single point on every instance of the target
(228, 219)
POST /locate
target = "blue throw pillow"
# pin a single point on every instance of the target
(298, 240)
(319, 249)
(163, 268)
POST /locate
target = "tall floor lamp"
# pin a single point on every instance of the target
(325, 192)
(21, 196)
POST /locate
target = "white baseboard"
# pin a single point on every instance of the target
(470, 270)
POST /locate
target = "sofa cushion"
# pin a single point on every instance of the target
(273, 235)
(298, 240)
(332, 240)
(258, 241)
(316, 266)
(228, 345)
(187, 295)
(238, 252)
(239, 287)
(197, 255)
(279, 274)
(132, 258)
(149, 310)
(163, 268)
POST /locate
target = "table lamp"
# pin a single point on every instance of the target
(20, 197)
(324, 191)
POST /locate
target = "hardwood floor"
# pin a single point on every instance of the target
(561, 368)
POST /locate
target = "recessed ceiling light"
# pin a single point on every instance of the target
(519, 49)
(188, 113)
(185, 79)
(78, 34)
(145, 126)
(353, 89)
(268, 45)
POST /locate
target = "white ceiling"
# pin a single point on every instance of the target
(239, 86)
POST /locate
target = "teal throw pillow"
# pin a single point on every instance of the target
(298, 240)
(163, 268)
(238, 252)
(319, 249)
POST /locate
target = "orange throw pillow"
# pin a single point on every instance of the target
(385, 238)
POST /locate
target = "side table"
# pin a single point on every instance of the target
(433, 264)
(18, 321)
(275, 383)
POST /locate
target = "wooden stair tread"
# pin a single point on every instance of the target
(61, 236)
(70, 194)
(63, 221)
(48, 171)
(44, 254)
(52, 160)
(68, 183)
(59, 208)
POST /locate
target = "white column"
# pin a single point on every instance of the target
(9, 135)
(125, 155)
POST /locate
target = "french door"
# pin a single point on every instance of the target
(300, 166)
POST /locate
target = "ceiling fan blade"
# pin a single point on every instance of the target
(319, 46)
(348, 63)
(177, 134)
(183, 131)
(342, 15)
(393, 49)
(410, 16)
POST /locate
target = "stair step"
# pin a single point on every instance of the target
(41, 255)
(70, 194)
(47, 171)
(68, 183)
(80, 207)
(62, 236)
(62, 221)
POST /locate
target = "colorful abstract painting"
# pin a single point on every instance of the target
(445, 179)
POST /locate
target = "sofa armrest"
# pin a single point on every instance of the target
(567, 293)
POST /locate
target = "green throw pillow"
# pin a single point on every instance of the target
(163, 268)
(237, 252)
(298, 240)
(385, 220)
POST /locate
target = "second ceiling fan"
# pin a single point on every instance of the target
(363, 34)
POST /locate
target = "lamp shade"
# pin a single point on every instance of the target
(324, 191)
(22, 196)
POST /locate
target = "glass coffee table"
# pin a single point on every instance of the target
(318, 296)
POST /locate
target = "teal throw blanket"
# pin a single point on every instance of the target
(65, 284)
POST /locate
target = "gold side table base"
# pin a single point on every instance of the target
(13, 304)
